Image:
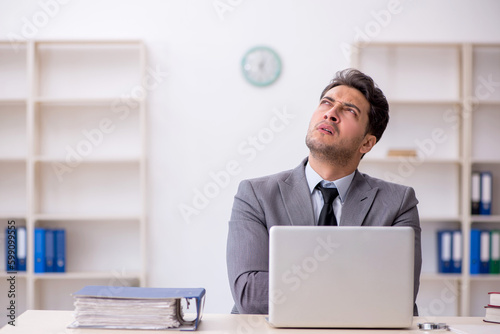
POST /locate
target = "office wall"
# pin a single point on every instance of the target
(208, 128)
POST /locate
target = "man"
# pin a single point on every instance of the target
(350, 119)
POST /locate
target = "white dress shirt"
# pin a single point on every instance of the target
(342, 186)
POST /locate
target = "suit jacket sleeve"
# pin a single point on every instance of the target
(247, 252)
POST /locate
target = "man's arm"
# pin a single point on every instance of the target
(408, 216)
(248, 252)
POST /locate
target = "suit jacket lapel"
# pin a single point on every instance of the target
(358, 201)
(296, 197)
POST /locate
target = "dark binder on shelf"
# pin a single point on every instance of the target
(39, 250)
(115, 307)
(60, 250)
(475, 241)
(495, 252)
(475, 192)
(444, 251)
(484, 266)
(49, 250)
(456, 252)
(10, 249)
(21, 248)
(486, 193)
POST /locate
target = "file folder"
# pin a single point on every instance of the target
(21, 248)
(60, 251)
(484, 267)
(126, 299)
(10, 249)
(475, 241)
(475, 192)
(456, 252)
(495, 252)
(444, 251)
(486, 193)
(39, 250)
(49, 250)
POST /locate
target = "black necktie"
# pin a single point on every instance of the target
(327, 217)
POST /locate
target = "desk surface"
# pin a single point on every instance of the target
(55, 322)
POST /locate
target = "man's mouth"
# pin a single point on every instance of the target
(327, 129)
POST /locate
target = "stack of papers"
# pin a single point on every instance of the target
(135, 308)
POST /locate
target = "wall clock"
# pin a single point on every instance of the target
(261, 66)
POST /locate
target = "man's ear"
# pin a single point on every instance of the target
(368, 143)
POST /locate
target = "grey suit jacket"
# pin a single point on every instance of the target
(284, 199)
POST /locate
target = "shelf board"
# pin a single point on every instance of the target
(12, 215)
(432, 219)
(88, 275)
(485, 277)
(12, 159)
(17, 100)
(425, 102)
(84, 218)
(131, 42)
(85, 100)
(19, 274)
(440, 277)
(485, 161)
(396, 160)
(485, 219)
(485, 102)
(105, 160)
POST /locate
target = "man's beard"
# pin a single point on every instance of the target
(340, 155)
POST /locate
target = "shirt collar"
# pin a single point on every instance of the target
(342, 184)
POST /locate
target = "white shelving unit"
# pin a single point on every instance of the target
(73, 156)
(444, 106)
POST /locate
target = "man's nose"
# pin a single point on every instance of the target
(332, 113)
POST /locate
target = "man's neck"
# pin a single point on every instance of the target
(331, 171)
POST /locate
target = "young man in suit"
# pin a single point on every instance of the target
(350, 119)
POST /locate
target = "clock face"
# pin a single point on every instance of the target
(261, 66)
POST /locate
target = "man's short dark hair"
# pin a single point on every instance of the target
(378, 116)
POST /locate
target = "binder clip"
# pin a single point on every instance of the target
(431, 326)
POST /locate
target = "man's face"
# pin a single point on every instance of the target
(337, 131)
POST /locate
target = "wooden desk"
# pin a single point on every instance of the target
(55, 322)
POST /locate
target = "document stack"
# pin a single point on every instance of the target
(114, 307)
(493, 308)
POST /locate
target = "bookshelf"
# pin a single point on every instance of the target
(445, 104)
(73, 115)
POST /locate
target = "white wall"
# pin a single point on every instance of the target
(203, 110)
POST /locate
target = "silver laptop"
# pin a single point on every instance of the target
(341, 277)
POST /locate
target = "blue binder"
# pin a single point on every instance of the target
(127, 294)
(21, 248)
(475, 242)
(456, 252)
(49, 251)
(475, 192)
(10, 249)
(39, 250)
(484, 257)
(60, 251)
(486, 192)
(444, 251)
